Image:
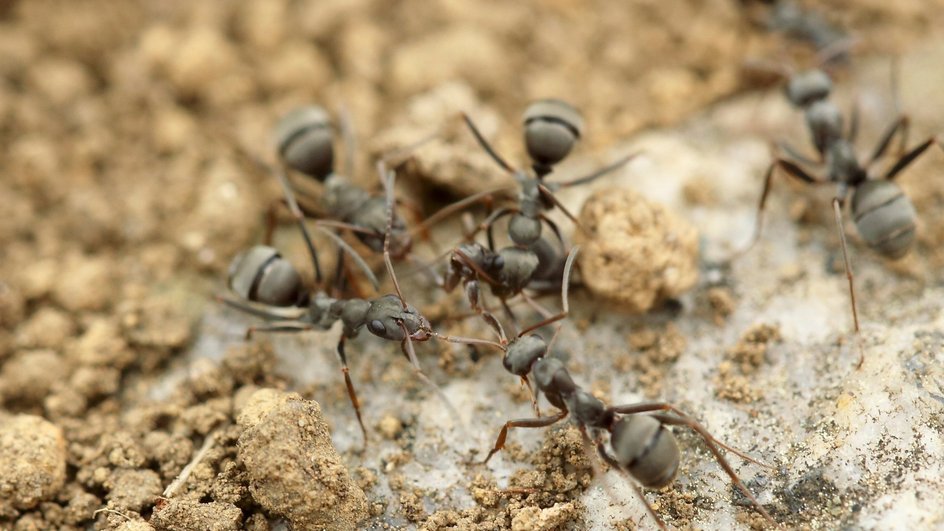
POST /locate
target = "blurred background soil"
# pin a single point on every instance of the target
(123, 197)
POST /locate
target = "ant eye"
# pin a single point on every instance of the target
(376, 327)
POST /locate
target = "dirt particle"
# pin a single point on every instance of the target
(32, 461)
(722, 304)
(133, 489)
(390, 427)
(188, 515)
(635, 253)
(294, 471)
(47, 328)
(537, 519)
(89, 285)
(28, 376)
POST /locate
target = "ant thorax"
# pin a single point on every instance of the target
(341, 197)
(843, 164)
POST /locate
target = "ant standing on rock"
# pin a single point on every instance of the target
(640, 444)
(882, 213)
(263, 277)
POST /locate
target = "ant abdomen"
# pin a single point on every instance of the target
(260, 274)
(646, 449)
(551, 128)
(304, 140)
(884, 217)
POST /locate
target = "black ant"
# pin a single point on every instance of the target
(882, 213)
(640, 445)
(273, 290)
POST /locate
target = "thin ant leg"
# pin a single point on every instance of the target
(349, 136)
(511, 315)
(555, 229)
(339, 278)
(601, 450)
(565, 304)
(854, 121)
(486, 146)
(542, 311)
(388, 178)
(453, 208)
(547, 193)
(554, 186)
(407, 347)
(837, 210)
(710, 441)
(910, 157)
(282, 326)
(489, 222)
(345, 248)
(648, 407)
(468, 341)
(475, 267)
(792, 170)
(539, 422)
(900, 127)
(300, 219)
(351, 393)
(795, 154)
(266, 312)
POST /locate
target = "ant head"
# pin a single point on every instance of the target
(804, 88)
(522, 353)
(260, 274)
(646, 450)
(304, 139)
(551, 128)
(385, 314)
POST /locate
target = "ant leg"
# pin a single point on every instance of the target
(349, 137)
(565, 304)
(389, 178)
(489, 222)
(910, 157)
(407, 347)
(837, 210)
(711, 442)
(793, 170)
(795, 153)
(458, 206)
(284, 326)
(609, 460)
(550, 195)
(683, 419)
(485, 145)
(468, 341)
(291, 313)
(553, 186)
(351, 393)
(344, 247)
(899, 126)
(539, 422)
(300, 219)
(511, 315)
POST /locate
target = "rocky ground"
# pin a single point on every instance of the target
(130, 400)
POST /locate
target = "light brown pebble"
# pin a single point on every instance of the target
(390, 426)
(537, 519)
(188, 515)
(32, 460)
(635, 253)
(294, 471)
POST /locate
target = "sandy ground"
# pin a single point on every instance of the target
(125, 199)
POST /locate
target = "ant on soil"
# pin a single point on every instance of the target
(640, 445)
(551, 129)
(271, 288)
(882, 213)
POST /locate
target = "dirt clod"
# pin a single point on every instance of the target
(635, 253)
(187, 515)
(32, 461)
(294, 470)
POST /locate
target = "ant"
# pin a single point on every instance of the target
(640, 445)
(272, 289)
(551, 129)
(883, 215)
